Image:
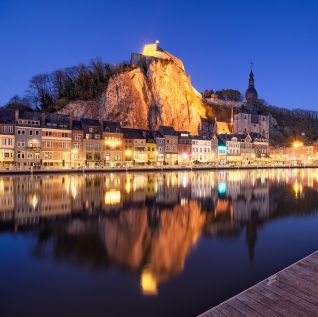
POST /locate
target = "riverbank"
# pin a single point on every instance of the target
(143, 169)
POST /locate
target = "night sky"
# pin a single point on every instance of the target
(215, 39)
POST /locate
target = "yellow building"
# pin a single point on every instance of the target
(151, 146)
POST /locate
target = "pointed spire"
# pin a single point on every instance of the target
(251, 79)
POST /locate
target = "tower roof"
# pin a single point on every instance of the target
(251, 93)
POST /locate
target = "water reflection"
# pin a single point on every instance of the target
(149, 223)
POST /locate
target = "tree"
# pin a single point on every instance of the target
(18, 103)
(207, 93)
(229, 95)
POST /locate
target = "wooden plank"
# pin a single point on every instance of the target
(284, 303)
(249, 301)
(301, 273)
(213, 313)
(303, 305)
(308, 266)
(297, 292)
(244, 309)
(270, 304)
(229, 311)
(292, 292)
(298, 282)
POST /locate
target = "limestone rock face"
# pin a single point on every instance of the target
(158, 93)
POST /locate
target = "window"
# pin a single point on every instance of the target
(78, 137)
(48, 144)
(48, 133)
(20, 155)
(21, 132)
(7, 129)
(63, 145)
(77, 145)
(37, 156)
(37, 132)
(47, 155)
(65, 135)
(30, 132)
(21, 143)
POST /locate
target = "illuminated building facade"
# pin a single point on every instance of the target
(151, 146)
(7, 137)
(77, 158)
(184, 147)
(56, 140)
(171, 144)
(201, 149)
(112, 144)
(92, 142)
(135, 146)
(249, 119)
(28, 139)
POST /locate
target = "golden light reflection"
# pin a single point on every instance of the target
(33, 200)
(112, 197)
(128, 186)
(298, 189)
(74, 185)
(148, 283)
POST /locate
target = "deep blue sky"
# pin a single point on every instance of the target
(215, 39)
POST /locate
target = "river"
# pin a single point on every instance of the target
(148, 244)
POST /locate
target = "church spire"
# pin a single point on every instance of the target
(251, 79)
(251, 93)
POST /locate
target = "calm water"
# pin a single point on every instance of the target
(159, 244)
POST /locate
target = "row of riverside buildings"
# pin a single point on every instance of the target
(55, 140)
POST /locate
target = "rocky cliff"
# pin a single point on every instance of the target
(146, 96)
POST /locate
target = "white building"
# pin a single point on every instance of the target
(201, 149)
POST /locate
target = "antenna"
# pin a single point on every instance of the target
(252, 65)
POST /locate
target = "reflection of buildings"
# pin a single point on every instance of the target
(148, 223)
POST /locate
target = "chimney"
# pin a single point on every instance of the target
(16, 115)
(71, 119)
(42, 118)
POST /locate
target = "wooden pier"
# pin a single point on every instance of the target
(290, 292)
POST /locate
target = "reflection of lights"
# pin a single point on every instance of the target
(185, 181)
(148, 283)
(222, 188)
(298, 189)
(112, 197)
(183, 202)
(33, 200)
(74, 188)
(128, 187)
(185, 156)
